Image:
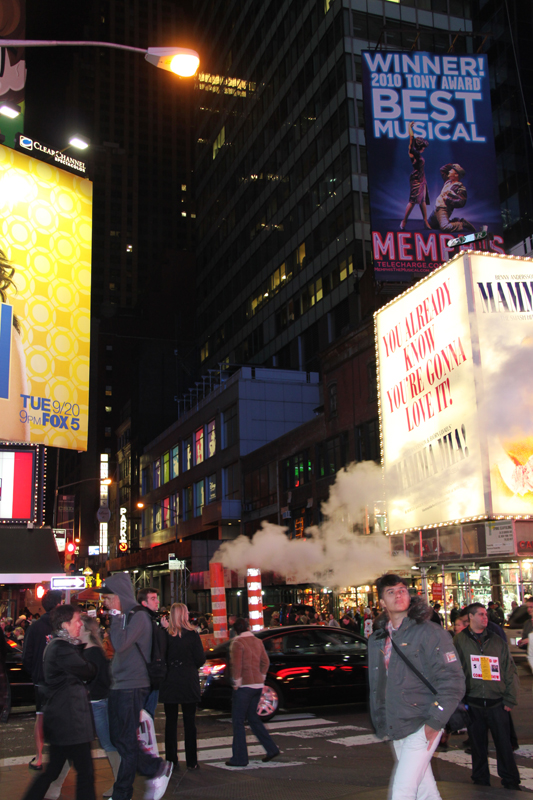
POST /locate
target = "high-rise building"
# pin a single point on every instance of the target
(283, 257)
(505, 30)
(137, 119)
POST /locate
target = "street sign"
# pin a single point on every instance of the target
(64, 582)
(103, 514)
(175, 563)
(466, 239)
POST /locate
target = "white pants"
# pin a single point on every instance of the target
(412, 778)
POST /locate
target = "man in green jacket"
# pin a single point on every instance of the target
(491, 693)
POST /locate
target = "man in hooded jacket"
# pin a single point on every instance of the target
(131, 637)
(402, 707)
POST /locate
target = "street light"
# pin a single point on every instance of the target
(179, 60)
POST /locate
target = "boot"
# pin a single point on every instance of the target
(114, 760)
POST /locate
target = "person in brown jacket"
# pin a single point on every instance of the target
(249, 665)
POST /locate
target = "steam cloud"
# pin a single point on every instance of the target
(333, 554)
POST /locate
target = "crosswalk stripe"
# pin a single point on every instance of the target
(462, 759)
(324, 732)
(353, 741)
(260, 765)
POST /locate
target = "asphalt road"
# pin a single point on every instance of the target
(326, 753)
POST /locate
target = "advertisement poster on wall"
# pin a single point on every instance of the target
(455, 387)
(45, 292)
(431, 158)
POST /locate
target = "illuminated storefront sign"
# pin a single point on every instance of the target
(123, 533)
(454, 355)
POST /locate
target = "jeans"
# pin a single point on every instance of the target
(101, 723)
(125, 706)
(189, 729)
(150, 704)
(495, 719)
(80, 755)
(412, 778)
(244, 706)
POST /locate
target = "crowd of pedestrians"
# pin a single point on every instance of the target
(101, 676)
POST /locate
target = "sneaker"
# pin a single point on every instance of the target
(156, 787)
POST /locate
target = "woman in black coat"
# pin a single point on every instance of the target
(185, 655)
(68, 720)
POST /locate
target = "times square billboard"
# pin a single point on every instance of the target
(431, 158)
(454, 357)
(45, 296)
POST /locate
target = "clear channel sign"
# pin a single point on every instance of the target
(66, 582)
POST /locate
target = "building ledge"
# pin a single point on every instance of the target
(221, 511)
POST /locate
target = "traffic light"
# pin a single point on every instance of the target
(70, 556)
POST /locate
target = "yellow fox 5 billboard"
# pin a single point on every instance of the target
(45, 294)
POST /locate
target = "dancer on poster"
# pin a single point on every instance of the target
(419, 194)
(453, 195)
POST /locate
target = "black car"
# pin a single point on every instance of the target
(17, 690)
(309, 665)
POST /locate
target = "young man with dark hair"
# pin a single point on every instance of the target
(37, 636)
(131, 637)
(491, 693)
(402, 707)
(148, 598)
(249, 665)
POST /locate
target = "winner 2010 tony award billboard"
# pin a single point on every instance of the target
(431, 158)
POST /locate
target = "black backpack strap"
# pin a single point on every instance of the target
(413, 668)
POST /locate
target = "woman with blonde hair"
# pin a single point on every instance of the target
(185, 655)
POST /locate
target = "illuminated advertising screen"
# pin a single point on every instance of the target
(45, 282)
(17, 484)
(431, 158)
(455, 389)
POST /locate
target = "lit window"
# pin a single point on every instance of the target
(108, 409)
(183, 213)
(211, 488)
(199, 498)
(129, 248)
(219, 142)
(166, 467)
(199, 446)
(109, 391)
(175, 462)
(204, 352)
(211, 438)
(193, 216)
(183, 187)
(188, 454)
(156, 474)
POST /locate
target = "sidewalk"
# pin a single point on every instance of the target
(211, 782)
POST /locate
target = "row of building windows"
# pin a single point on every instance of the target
(195, 449)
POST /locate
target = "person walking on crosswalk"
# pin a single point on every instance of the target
(406, 656)
(249, 665)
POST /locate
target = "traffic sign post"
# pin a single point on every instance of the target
(68, 582)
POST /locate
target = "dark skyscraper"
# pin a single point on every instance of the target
(137, 119)
(280, 168)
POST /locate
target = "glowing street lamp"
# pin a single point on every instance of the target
(180, 60)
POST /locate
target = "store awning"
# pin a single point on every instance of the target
(28, 556)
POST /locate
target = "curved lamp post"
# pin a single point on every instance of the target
(180, 60)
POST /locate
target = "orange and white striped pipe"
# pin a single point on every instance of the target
(218, 601)
(255, 599)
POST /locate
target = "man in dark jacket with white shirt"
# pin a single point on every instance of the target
(131, 637)
(402, 707)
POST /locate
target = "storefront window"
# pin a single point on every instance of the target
(412, 545)
(473, 540)
(449, 542)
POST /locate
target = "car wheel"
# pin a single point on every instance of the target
(271, 701)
